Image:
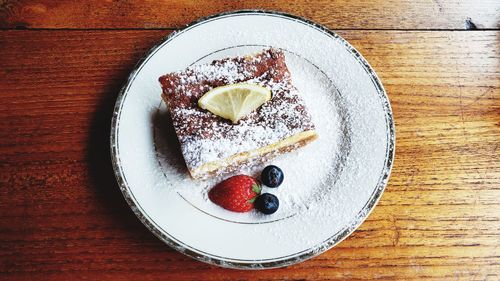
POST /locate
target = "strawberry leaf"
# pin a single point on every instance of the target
(252, 200)
(256, 188)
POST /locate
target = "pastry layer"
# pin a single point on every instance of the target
(286, 145)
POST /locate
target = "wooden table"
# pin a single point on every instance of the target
(62, 216)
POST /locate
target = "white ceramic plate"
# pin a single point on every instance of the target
(330, 185)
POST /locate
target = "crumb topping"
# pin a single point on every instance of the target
(205, 137)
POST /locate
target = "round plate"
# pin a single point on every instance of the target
(330, 186)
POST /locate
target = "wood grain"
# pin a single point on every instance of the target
(342, 14)
(63, 216)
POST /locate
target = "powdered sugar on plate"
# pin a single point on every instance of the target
(310, 172)
(330, 185)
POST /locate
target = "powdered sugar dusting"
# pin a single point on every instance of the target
(309, 172)
(228, 139)
(205, 137)
(321, 202)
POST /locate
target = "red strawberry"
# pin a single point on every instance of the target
(235, 193)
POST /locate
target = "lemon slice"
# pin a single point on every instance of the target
(234, 101)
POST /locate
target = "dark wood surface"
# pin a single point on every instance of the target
(63, 217)
(340, 14)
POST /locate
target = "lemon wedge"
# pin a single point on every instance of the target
(234, 101)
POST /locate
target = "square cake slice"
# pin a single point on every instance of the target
(212, 145)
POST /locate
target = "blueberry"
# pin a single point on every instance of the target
(267, 203)
(272, 176)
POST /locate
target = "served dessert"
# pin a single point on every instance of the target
(218, 143)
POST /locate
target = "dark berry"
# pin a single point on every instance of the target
(267, 203)
(272, 176)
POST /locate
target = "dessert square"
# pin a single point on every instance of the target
(212, 145)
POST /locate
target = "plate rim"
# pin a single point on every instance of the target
(256, 264)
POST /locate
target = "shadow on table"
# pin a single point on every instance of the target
(126, 227)
(101, 171)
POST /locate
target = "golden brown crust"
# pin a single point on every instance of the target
(255, 159)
